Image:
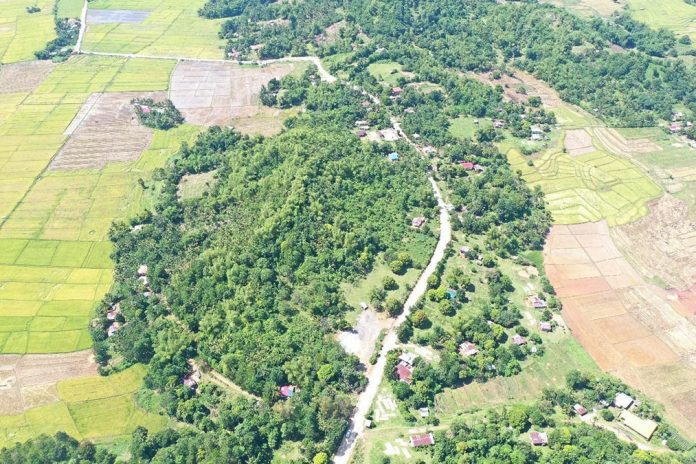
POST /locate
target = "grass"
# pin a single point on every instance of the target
(70, 8)
(96, 408)
(464, 127)
(54, 249)
(675, 15)
(386, 72)
(173, 28)
(22, 33)
(587, 188)
(194, 185)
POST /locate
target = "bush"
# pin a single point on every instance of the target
(389, 283)
(607, 415)
(419, 319)
(393, 306)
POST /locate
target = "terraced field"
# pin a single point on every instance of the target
(152, 27)
(589, 187)
(23, 33)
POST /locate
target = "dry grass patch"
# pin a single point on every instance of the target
(24, 77)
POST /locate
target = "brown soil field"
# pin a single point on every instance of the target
(225, 94)
(28, 381)
(618, 144)
(632, 328)
(532, 85)
(105, 130)
(578, 142)
(662, 245)
(23, 77)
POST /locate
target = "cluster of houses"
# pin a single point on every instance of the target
(111, 316)
(678, 123)
(363, 127)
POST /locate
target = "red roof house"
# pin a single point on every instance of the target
(113, 312)
(362, 133)
(537, 302)
(467, 349)
(546, 326)
(404, 372)
(425, 439)
(287, 391)
(113, 328)
(539, 438)
(468, 165)
(519, 340)
(397, 91)
(417, 222)
(580, 409)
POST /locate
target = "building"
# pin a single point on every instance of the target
(287, 391)
(389, 135)
(675, 128)
(539, 438)
(519, 340)
(361, 123)
(193, 378)
(396, 91)
(536, 302)
(580, 409)
(623, 401)
(468, 165)
(113, 328)
(363, 306)
(424, 412)
(404, 372)
(498, 123)
(429, 150)
(425, 439)
(362, 133)
(546, 326)
(464, 250)
(408, 358)
(479, 168)
(643, 427)
(468, 349)
(393, 156)
(418, 222)
(113, 312)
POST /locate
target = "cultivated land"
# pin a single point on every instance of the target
(22, 33)
(152, 27)
(675, 15)
(632, 328)
(588, 7)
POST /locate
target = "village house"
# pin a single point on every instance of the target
(539, 438)
(537, 133)
(113, 312)
(451, 293)
(113, 328)
(389, 135)
(536, 302)
(498, 123)
(396, 91)
(193, 378)
(425, 439)
(580, 409)
(408, 357)
(409, 110)
(404, 372)
(361, 123)
(546, 326)
(468, 349)
(287, 391)
(364, 306)
(675, 128)
(424, 412)
(623, 401)
(643, 427)
(519, 340)
(429, 150)
(362, 133)
(468, 165)
(144, 280)
(479, 168)
(464, 250)
(418, 222)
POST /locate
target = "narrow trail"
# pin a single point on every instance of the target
(83, 27)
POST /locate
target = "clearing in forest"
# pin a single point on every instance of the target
(631, 328)
(23, 33)
(211, 93)
(152, 27)
(588, 7)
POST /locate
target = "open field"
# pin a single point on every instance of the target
(22, 33)
(152, 27)
(588, 187)
(210, 94)
(631, 328)
(588, 7)
(465, 126)
(98, 408)
(386, 72)
(70, 8)
(675, 15)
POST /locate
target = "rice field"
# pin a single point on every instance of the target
(96, 408)
(588, 187)
(675, 15)
(169, 28)
(23, 33)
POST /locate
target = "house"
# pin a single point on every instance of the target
(408, 358)
(409, 110)
(193, 378)
(451, 293)
(145, 109)
(393, 156)
(580, 409)
(643, 427)
(546, 326)
(536, 302)
(675, 128)
(467, 165)
(479, 168)
(287, 391)
(464, 250)
(418, 222)
(537, 133)
(424, 412)
(396, 91)
(363, 305)
(137, 227)
(361, 123)
(113, 312)
(425, 439)
(362, 133)
(389, 135)
(113, 328)
(468, 349)
(539, 438)
(623, 401)
(498, 123)
(678, 116)
(142, 270)
(519, 340)
(404, 372)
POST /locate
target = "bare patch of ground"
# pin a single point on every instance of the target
(105, 130)
(662, 245)
(520, 86)
(24, 77)
(116, 16)
(361, 340)
(331, 34)
(578, 142)
(630, 327)
(617, 143)
(27, 381)
(223, 94)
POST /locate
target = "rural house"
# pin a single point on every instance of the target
(389, 135)
(193, 378)
(519, 340)
(113, 328)
(580, 409)
(418, 222)
(467, 349)
(425, 439)
(536, 302)
(408, 358)
(396, 91)
(468, 165)
(113, 312)
(404, 372)
(287, 391)
(362, 133)
(546, 326)
(623, 401)
(393, 156)
(539, 438)
(142, 270)
(643, 427)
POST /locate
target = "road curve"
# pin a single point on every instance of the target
(375, 376)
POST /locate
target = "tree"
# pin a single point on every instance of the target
(320, 458)
(419, 319)
(577, 380)
(389, 283)
(393, 306)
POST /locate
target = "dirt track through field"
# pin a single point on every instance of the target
(28, 381)
(631, 328)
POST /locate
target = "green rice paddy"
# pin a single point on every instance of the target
(96, 408)
(589, 187)
(23, 33)
(173, 28)
(675, 15)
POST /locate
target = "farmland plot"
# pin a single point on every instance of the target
(23, 33)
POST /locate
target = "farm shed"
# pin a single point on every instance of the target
(643, 427)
